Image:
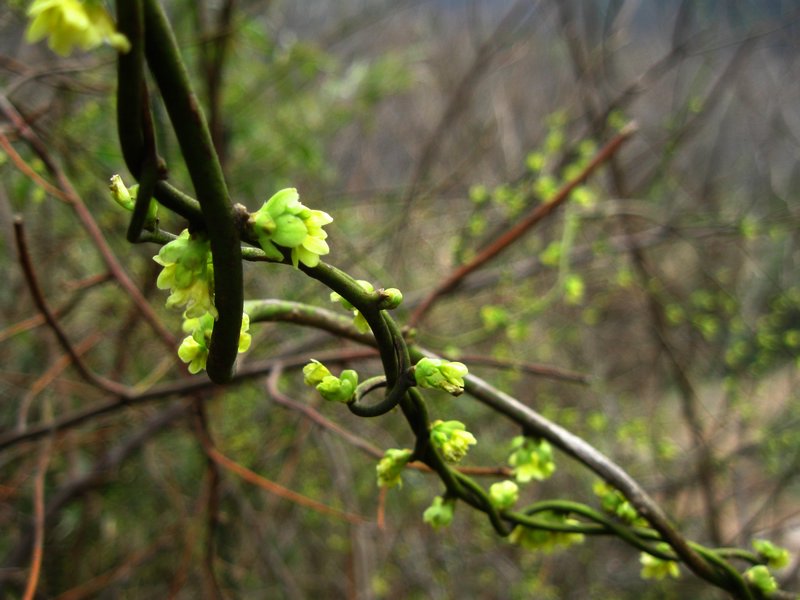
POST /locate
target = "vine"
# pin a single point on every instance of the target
(202, 270)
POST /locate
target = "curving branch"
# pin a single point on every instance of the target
(197, 149)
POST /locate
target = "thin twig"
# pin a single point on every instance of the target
(275, 488)
(38, 319)
(28, 171)
(49, 375)
(166, 390)
(211, 496)
(38, 522)
(33, 285)
(93, 587)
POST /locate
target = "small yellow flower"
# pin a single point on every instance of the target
(70, 23)
(285, 221)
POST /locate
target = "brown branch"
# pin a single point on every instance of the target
(211, 496)
(49, 375)
(38, 522)
(166, 390)
(38, 319)
(523, 226)
(28, 171)
(33, 285)
(275, 488)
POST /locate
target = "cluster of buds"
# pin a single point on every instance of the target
(654, 567)
(70, 23)
(452, 439)
(531, 459)
(391, 466)
(330, 387)
(188, 274)
(194, 348)
(440, 512)
(441, 374)
(284, 221)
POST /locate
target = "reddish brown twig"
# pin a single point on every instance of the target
(33, 285)
(49, 375)
(38, 319)
(272, 487)
(38, 522)
(210, 498)
(526, 223)
(28, 171)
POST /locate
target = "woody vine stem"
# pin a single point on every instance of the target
(202, 269)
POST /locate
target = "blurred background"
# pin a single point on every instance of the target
(657, 314)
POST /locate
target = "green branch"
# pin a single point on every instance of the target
(194, 139)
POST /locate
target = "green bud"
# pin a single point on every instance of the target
(120, 193)
(285, 221)
(761, 578)
(314, 372)
(531, 459)
(245, 339)
(776, 557)
(194, 348)
(289, 231)
(452, 439)
(339, 389)
(504, 494)
(440, 512)
(389, 299)
(615, 503)
(188, 273)
(441, 374)
(391, 466)
(658, 568)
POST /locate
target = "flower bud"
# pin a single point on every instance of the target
(314, 372)
(441, 374)
(504, 494)
(120, 193)
(452, 439)
(389, 298)
(440, 512)
(391, 466)
(339, 389)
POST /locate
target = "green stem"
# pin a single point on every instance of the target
(480, 500)
(179, 203)
(131, 85)
(390, 400)
(608, 525)
(194, 139)
(147, 182)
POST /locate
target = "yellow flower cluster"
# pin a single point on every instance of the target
(70, 23)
